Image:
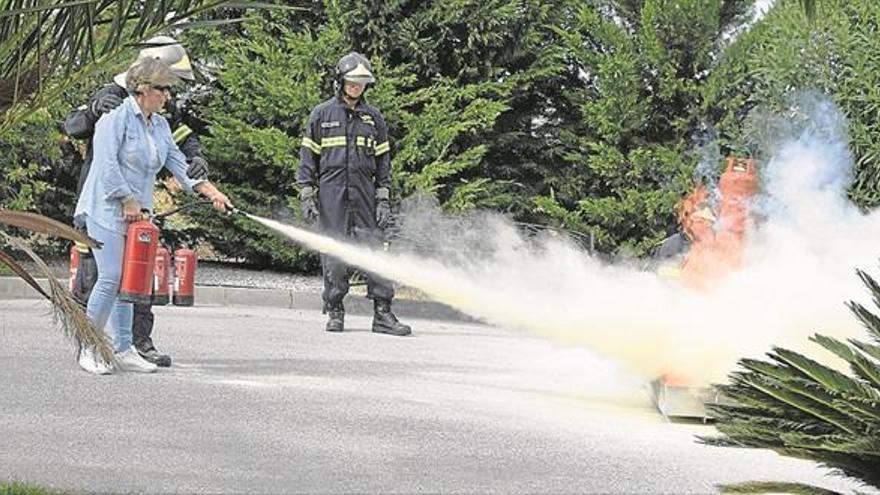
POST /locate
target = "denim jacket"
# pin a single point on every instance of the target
(125, 164)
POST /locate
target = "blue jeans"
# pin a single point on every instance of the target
(104, 303)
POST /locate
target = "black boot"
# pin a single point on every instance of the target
(384, 320)
(148, 351)
(141, 330)
(336, 323)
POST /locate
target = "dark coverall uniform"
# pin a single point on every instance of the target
(80, 124)
(345, 155)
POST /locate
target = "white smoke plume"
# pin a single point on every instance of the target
(799, 270)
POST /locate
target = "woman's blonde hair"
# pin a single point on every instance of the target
(148, 72)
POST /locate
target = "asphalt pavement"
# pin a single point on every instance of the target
(261, 400)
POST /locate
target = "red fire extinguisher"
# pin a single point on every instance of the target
(74, 266)
(161, 277)
(138, 262)
(184, 277)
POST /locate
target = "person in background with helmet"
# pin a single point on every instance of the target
(80, 124)
(345, 184)
(131, 144)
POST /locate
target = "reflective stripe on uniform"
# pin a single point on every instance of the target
(181, 133)
(82, 248)
(329, 142)
(365, 141)
(383, 148)
(313, 146)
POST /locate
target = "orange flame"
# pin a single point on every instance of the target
(718, 244)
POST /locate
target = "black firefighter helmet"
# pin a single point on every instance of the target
(356, 68)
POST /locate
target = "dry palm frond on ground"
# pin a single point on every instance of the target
(74, 322)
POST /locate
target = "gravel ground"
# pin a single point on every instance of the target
(214, 273)
(219, 274)
(263, 400)
(226, 275)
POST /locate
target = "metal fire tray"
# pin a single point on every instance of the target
(680, 400)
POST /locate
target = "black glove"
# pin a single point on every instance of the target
(308, 205)
(383, 207)
(104, 104)
(198, 168)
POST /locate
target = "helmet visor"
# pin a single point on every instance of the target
(360, 74)
(183, 68)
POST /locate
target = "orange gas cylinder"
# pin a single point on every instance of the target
(138, 262)
(184, 277)
(718, 244)
(737, 185)
(161, 277)
(74, 266)
(739, 179)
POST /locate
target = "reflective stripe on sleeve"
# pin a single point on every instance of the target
(181, 133)
(313, 146)
(383, 148)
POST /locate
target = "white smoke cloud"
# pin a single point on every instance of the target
(798, 271)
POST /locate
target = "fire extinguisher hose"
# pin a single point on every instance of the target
(185, 207)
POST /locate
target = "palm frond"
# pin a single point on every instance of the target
(863, 367)
(801, 408)
(45, 225)
(869, 349)
(70, 40)
(9, 261)
(803, 404)
(820, 373)
(42, 8)
(871, 284)
(74, 322)
(809, 7)
(775, 487)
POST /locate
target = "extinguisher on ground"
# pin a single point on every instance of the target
(139, 263)
(185, 262)
(161, 277)
(74, 266)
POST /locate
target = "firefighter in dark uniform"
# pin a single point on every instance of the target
(345, 184)
(80, 124)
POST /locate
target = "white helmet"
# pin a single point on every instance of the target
(168, 51)
(354, 67)
(171, 53)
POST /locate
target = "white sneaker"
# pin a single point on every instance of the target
(92, 363)
(130, 360)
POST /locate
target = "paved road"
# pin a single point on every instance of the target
(261, 400)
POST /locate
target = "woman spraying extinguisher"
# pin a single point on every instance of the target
(131, 144)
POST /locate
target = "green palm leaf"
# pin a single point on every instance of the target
(822, 374)
(801, 408)
(809, 7)
(69, 41)
(776, 487)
